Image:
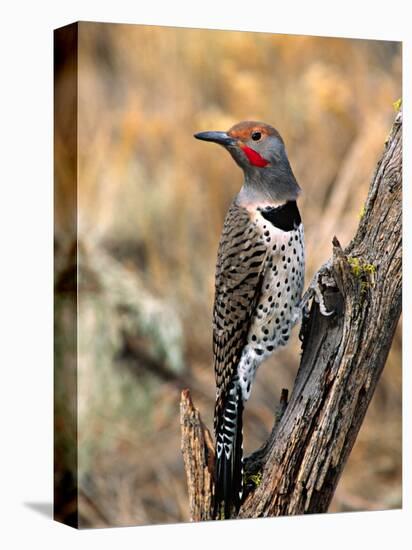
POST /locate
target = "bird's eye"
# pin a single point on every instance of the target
(256, 136)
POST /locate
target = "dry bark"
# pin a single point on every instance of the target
(199, 456)
(342, 359)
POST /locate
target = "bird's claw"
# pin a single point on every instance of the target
(314, 291)
(321, 301)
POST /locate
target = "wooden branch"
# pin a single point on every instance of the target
(199, 457)
(342, 360)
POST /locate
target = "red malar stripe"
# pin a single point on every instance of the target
(254, 158)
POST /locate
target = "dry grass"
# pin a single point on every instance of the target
(155, 199)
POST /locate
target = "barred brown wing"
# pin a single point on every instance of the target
(239, 274)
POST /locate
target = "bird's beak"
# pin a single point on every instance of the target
(217, 137)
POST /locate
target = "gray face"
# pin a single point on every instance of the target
(258, 152)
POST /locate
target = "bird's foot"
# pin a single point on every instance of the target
(314, 291)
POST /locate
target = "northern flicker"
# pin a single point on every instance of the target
(258, 287)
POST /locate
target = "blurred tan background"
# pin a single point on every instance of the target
(151, 206)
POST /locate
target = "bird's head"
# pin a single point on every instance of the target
(260, 151)
(252, 144)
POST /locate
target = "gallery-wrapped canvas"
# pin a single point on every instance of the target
(228, 274)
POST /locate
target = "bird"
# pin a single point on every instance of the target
(258, 287)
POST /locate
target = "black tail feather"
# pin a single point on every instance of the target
(229, 457)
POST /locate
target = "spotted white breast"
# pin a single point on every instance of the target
(277, 310)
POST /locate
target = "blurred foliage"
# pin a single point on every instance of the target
(151, 207)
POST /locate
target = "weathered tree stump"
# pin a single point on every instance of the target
(343, 357)
(199, 456)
